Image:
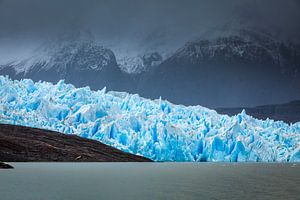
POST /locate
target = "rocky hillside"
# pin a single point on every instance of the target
(22, 144)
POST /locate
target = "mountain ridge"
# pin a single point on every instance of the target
(243, 68)
(287, 112)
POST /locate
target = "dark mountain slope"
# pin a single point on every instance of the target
(78, 61)
(288, 112)
(22, 144)
(245, 69)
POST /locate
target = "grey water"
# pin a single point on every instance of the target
(91, 181)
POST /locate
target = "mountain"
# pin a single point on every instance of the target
(245, 68)
(288, 112)
(228, 68)
(77, 59)
(24, 144)
(139, 64)
(155, 129)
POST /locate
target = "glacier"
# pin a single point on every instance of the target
(156, 129)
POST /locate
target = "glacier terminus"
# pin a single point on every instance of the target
(156, 129)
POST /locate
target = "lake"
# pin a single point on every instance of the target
(91, 181)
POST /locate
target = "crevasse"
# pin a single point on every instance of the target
(156, 129)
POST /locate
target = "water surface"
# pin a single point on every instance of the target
(91, 181)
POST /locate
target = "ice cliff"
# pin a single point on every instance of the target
(156, 129)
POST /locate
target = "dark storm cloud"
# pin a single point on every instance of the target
(38, 16)
(107, 17)
(114, 17)
(281, 17)
(125, 21)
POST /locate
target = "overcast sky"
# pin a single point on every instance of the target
(25, 23)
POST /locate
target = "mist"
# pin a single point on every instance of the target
(134, 25)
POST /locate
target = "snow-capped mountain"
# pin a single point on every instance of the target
(140, 63)
(235, 67)
(77, 58)
(242, 68)
(57, 55)
(247, 45)
(77, 52)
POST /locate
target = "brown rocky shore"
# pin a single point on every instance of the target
(25, 144)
